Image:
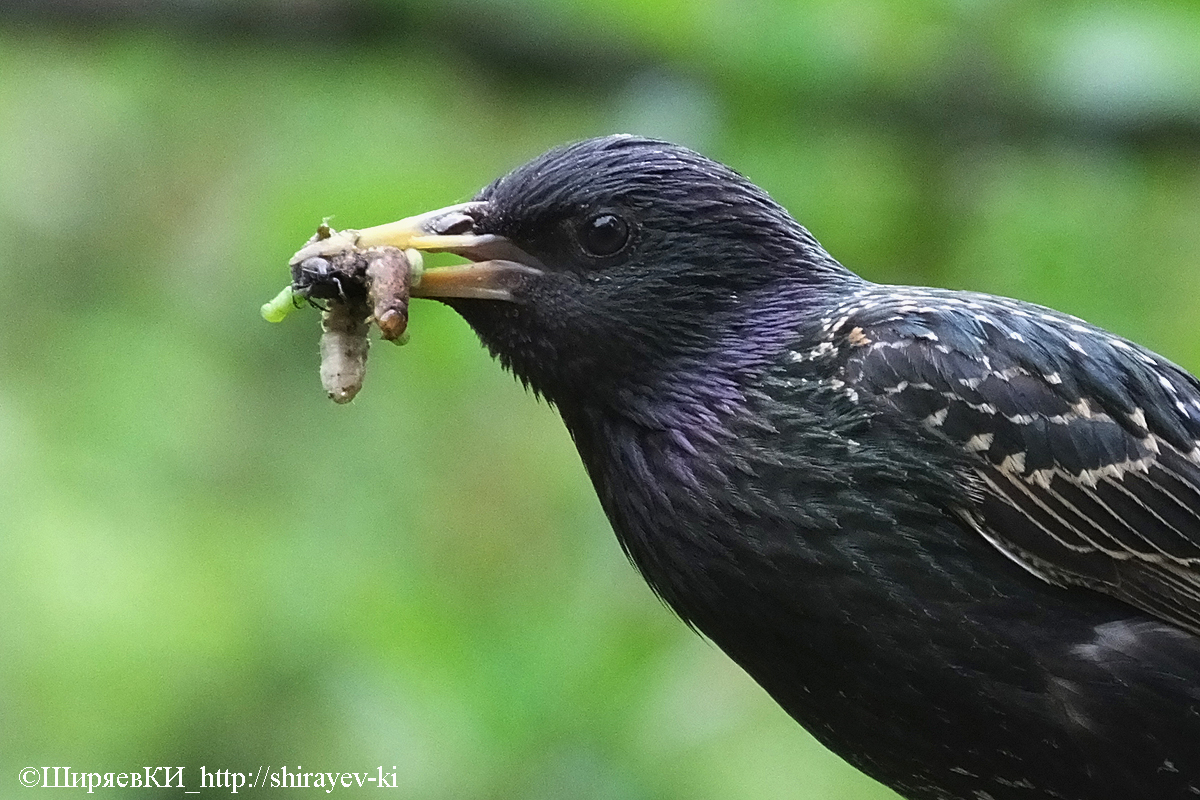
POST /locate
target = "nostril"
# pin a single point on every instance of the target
(454, 224)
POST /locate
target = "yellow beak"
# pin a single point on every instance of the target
(499, 268)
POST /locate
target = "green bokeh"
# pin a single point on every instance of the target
(208, 563)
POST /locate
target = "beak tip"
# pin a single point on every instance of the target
(336, 242)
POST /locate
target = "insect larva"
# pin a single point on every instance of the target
(344, 345)
(388, 279)
(359, 287)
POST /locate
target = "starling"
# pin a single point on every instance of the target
(955, 536)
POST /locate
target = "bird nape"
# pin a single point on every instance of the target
(955, 536)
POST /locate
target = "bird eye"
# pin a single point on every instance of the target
(604, 235)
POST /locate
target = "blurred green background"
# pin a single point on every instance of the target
(208, 563)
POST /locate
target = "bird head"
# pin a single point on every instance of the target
(616, 264)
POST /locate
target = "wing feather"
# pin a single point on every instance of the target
(1087, 447)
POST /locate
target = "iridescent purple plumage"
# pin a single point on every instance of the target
(956, 537)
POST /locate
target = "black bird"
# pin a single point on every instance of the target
(955, 536)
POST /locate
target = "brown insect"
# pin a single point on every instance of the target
(357, 288)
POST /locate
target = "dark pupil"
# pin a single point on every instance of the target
(605, 235)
